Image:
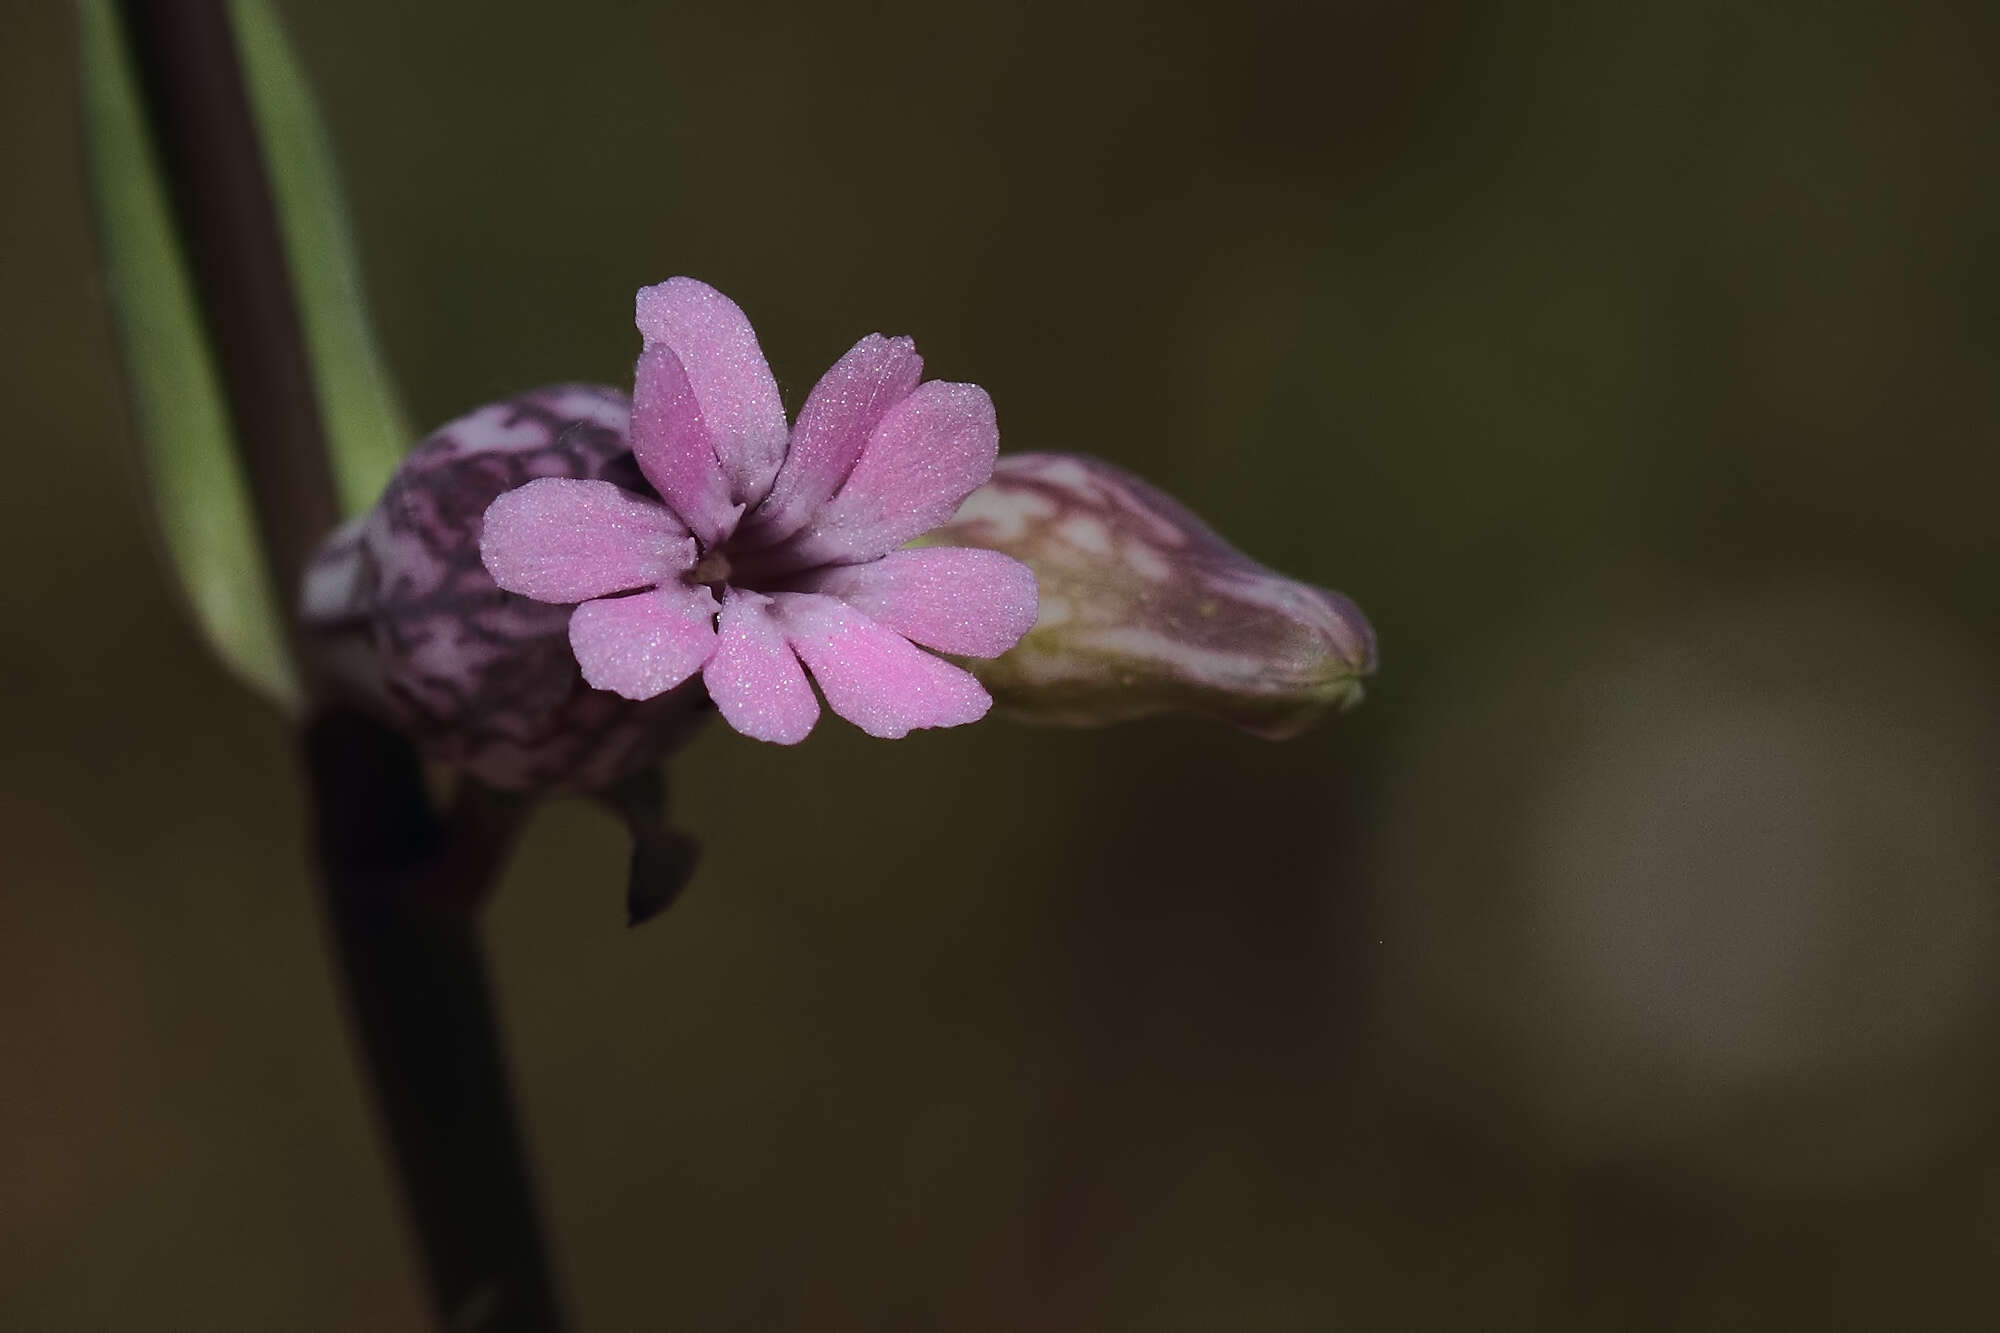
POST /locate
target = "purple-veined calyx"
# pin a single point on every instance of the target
(1145, 609)
(405, 621)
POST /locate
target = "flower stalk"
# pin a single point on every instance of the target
(556, 589)
(399, 885)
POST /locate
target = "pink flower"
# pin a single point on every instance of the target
(774, 552)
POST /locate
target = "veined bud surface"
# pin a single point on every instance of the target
(405, 620)
(1145, 609)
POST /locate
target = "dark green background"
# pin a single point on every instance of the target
(1626, 961)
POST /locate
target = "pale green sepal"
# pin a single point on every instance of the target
(199, 498)
(199, 495)
(367, 432)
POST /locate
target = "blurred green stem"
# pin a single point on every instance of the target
(400, 887)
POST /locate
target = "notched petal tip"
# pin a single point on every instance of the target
(671, 444)
(872, 676)
(564, 540)
(925, 456)
(644, 645)
(961, 600)
(755, 678)
(740, 411)
(834, 426)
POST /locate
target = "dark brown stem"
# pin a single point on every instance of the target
(399, 886)
(400, 889)
(199, 114)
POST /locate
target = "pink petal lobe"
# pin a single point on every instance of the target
(956, 599)
(670, 440)
(644, 645)
(755, 677)
(928, 453)
(840, 413)
(874, 677)
(557, 539)
(728, 375)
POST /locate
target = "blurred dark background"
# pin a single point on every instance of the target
(1627, 960)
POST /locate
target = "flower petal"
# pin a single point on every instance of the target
(755, 677)
(954, 599)
(928, 453)
(730, 380)
(644, 645)
(839, 415)
(874, 677)
(563, 540)
(670, 441)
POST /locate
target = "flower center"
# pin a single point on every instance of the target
(712, 569)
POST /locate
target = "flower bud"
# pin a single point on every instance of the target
(404, 619)
(1145, 609)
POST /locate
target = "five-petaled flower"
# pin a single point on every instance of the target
(796, 529)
